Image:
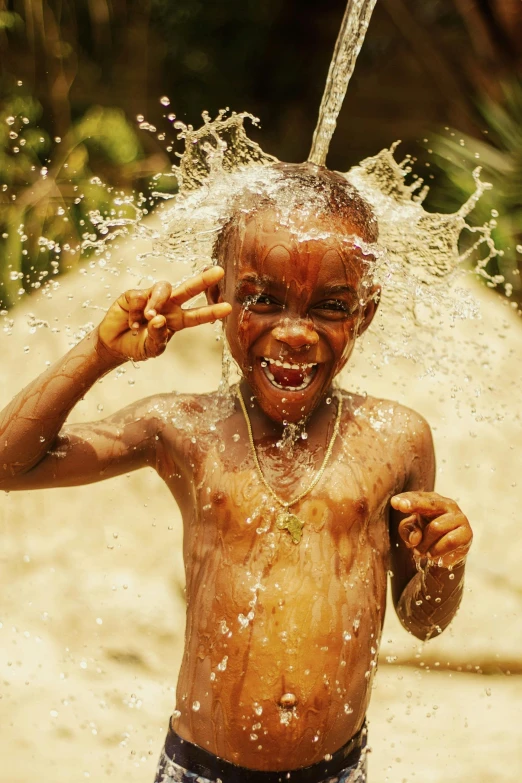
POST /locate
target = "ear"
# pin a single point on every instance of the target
(369, 309)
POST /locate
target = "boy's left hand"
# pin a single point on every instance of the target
(435, 527)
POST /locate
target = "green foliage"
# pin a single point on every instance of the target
(108, 132)
(49, 192)
(500, 157)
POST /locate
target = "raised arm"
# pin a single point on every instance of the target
(430, 538)
(36, 450)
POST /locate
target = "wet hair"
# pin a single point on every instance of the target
(296, 186)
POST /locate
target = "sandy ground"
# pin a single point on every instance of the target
(92, 612)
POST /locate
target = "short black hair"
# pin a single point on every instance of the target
(294, 185)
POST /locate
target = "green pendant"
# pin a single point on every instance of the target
(287, 521)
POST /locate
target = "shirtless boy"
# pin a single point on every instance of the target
(286, 550)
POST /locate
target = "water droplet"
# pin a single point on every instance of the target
(165, 100)
(222, 665)
(196, 705)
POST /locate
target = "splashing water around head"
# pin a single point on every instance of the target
(415, 258)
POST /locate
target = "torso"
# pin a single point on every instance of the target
(282, 638)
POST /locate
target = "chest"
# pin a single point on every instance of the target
(350, 493)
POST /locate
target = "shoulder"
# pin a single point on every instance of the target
(185, 412)
(410, 434)
(386, 414)
(406, 431)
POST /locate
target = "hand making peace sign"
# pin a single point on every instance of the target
(141, 322)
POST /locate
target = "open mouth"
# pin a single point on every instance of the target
(288, 376)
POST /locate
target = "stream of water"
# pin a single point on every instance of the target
(347, 47)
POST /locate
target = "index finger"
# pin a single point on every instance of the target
(429, 504)
(196, 285)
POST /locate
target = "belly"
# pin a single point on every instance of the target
(278, 661)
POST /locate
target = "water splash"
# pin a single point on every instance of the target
(417, 257)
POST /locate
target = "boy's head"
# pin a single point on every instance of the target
(298, 274)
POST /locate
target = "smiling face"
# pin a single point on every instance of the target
(298, 305)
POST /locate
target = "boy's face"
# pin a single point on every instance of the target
(296, 310)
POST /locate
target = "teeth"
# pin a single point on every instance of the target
(287, 365)
(265, 362)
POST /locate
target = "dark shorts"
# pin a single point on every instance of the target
(183, 762)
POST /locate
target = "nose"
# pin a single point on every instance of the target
(296, 332)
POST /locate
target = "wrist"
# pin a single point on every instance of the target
(108, 358)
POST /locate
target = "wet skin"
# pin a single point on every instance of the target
(284, 618)
(281, 639)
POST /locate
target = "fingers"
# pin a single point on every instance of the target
(451, 548)
(159, 296)
(144, 304)
(439, 528)
(182, 319)
(196, 285)
(429, 504)
(157, 337)
(134, 301)
(153, 315)
(445, 540)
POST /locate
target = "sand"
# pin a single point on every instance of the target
(92, 609)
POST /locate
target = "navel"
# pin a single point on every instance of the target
(288, 701)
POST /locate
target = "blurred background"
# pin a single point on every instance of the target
(92, 601)
(81, 82)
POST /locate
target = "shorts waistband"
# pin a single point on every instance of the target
(198, 760)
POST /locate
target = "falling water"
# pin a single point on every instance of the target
(347, 47)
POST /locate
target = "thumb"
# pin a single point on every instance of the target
(156, 337)
(410, 530)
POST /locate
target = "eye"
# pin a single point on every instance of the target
(335, 304)
(336, 308)
(261, 303)
(263, 299)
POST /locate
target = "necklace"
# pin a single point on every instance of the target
(285, 520)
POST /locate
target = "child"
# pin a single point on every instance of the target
(296, 498)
